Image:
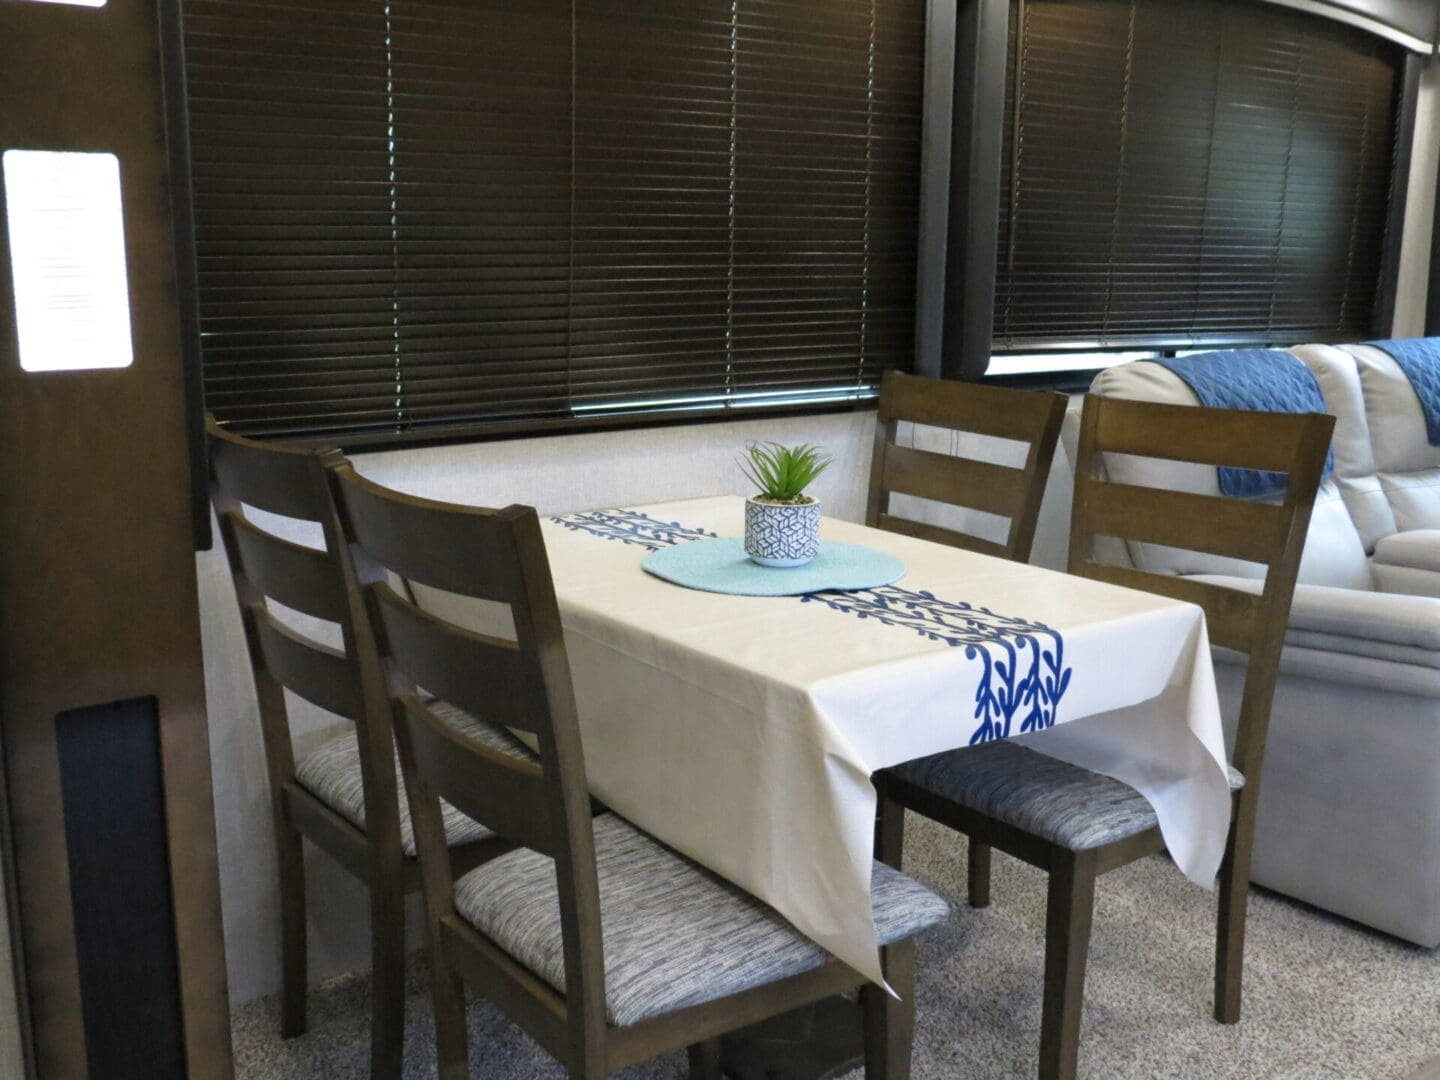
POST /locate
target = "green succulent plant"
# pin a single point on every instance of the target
(782, 473)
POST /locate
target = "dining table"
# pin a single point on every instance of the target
(743, 731)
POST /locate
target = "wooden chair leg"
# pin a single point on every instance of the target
(1070, 910)
(890, 1024)
(705, 1060)
(452, 1043)
(1230, 925)
(387, 974)
(889, 831)
(291, 851)
(979, 874)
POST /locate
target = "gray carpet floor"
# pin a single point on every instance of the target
(1323, 998)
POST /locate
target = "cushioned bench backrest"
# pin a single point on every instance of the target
(1334, 553)
(1406, 466)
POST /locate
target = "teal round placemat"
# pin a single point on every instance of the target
(721, 565)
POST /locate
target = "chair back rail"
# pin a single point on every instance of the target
(1005, 491)
(505, 792)
(299, 577)
(499, 556)
(483, 675)
(318, 673)
(1269, 533)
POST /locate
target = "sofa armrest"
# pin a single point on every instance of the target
(1377, 641)
(1410, 622)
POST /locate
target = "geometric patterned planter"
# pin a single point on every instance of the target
(782, 534)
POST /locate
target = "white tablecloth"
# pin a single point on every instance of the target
(743, 731)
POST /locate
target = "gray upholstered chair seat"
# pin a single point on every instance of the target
(331, 772)
(675, 935)
(1063, 803)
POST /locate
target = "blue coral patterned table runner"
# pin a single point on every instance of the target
(743, 731)
(1257, 380)
(1419, 359)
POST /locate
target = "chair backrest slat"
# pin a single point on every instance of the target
(276, 479)
(940, 535)
(1230, 527)
(505, 792)
(965, 406)
(973, 484)
(483, 675)
(1231, 438)
(435, 545)
(315, 672)
(300, 577)
(1269, 533)
(1230, 615)
(983, 485)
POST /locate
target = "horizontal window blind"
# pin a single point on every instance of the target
(427, 216)
(1197, 172)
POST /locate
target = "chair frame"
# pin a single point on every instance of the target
(291, 482)
(1248, 623)
(1031, 417)
(499, 556)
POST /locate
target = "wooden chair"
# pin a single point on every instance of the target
(343, 796)
(605, 946)
(1100, 824)
(1014, 493)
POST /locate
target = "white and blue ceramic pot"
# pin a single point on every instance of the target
(782, 534)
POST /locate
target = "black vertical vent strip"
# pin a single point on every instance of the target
(422, 215)
(115, 840)
(1193, 173)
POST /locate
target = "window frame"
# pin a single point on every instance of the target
(822, 397)
(974, 141)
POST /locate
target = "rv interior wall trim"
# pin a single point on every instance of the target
(936, 140)
(1374, 25)
(1417, 243)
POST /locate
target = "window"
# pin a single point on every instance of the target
(426, 217)
(67, 260)
(1193, 173)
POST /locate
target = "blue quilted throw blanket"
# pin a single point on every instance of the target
(1257, 380)
(1419, 359)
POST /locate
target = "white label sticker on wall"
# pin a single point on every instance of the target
(67, 259)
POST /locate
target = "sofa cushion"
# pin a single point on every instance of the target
(1408, 467)
(1408, 563)
(1352, 613)
(1418, 549)
(1356, 474)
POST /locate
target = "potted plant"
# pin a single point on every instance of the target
(782, 523)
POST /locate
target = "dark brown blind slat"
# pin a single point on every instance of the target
(430, 213)
(1191, 173)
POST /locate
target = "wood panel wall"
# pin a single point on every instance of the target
(97, 573)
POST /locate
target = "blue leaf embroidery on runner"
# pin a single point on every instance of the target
(1024, 674)
(631, 527)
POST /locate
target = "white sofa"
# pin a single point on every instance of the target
(1349, 814)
